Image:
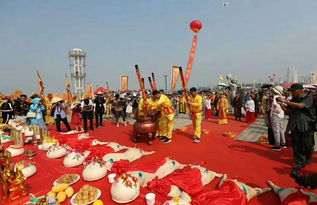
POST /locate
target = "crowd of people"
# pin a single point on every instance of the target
(115, 105)
(274, 103)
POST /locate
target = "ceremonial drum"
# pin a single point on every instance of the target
(144, 125)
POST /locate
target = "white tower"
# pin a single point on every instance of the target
(77, 59)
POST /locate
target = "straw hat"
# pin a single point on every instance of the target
(56, 99)
(278, 90)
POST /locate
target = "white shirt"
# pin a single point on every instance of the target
(250, 106)
(90, 104)
(207, 103)
(276, 109)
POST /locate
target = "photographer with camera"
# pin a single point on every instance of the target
(59, 113)
(301, 110)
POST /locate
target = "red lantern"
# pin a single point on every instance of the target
(196, 26)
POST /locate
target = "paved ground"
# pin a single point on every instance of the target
(250, 134)
(257, 129)
(254, 131)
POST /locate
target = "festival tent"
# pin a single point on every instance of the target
(287, 85)
(100, 89)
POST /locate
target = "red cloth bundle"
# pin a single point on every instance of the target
(187, 179)
(228, 194)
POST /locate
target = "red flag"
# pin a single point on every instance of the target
(191, 59)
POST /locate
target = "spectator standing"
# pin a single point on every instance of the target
(207, 104)
(7, 110)
(277, 117)
(22, 108)
(76, 115)
(237, 105)
(250, 109)
(301, 110)
(87, 108)
(38, 108)
(99, 103)
(118, 106)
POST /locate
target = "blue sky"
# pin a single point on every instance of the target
(249, 39)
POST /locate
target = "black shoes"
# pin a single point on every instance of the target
(276, 148)
(167, 140)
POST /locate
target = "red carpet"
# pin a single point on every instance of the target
(249, 162)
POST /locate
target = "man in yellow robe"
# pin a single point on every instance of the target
(222, 108)
(182, 108)
(166, 121)
(141, 106)
(196, 108)
(48, 103)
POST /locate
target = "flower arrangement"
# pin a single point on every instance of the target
(23, 164)
(127, 180)
(77, 154)
(94, 161)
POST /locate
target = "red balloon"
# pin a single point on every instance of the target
(196, 26)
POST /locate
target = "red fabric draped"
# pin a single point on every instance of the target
(297, 198)
(82, 145)
(69, 139)
(98, 151)
(120, 167)
(228, 194)
(187, 179)
(123, 166)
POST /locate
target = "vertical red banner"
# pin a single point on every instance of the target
(175, 75)
(191, 59)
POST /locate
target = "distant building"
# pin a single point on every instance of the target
(292, 75)
(77, 61)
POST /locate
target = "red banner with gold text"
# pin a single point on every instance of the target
(191, 59)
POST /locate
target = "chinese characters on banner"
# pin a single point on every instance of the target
(191, 59)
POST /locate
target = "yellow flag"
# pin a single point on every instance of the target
(40, 84)
(221, 78)
(68, 90)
